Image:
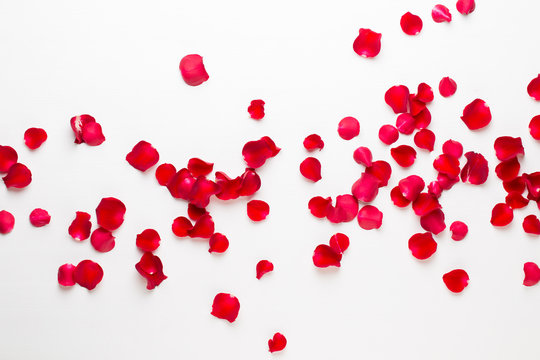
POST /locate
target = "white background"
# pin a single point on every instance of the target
(118, 60)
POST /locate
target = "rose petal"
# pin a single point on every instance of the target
(198, 167)
(456, 280)
(345, 210)
(447, 182)
(411, 24)
(218, 243)
(435, 189)
(250, 183)
(66, 275)
(77, 124)
(517, 185)
(507, 147)
(195, 212)
(192, 70)
(366, 188)
(405, 123)
(151, 268)
(7, 222)
(92, 134)
(388, 134)
(433, 221)
(143, 156)
(39, 217)
(310, 168)
(201, 191)
(447, 87)
(369, 217)
(18, 176)
(277, 343)
(181, 185)
(424, 93)
(80, 227)
(501, 215)
(8, 158)
(34, 137)
(459, 230)
(325, 256)
(453, 148)
(508, 170)
(425, 203)
(263, 267)
(110, 213)
(256, 109)
(440, 13)
(339, 242)
(397, 97)
(422, 246)
(88, 274)
(425, 139)
(348, 128)
(476, 115)
(181, 226)
(422, 119)
(319, 206)
(368, 43)
(534, 127)
(516, 200)
(476, 169)
(531, 225)
(398, 199)
(381, 170)
(465, 6)
(256, 152)
(102, 240)
(411, 186)
(257, 210)
(532, 181)
(532, 274)
(313, 142)
(164, 174)
(148, 240)
(203, 228)
(404, 155)
(447, 164)
(225, 306)
(363, 156)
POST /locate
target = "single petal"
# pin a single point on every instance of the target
(198, 167)
(453, 148)
(425, 203)
(405, 123)
(447, 164)
(225, 306)
(195, 212)
(92, 134)
(507, 147)
(422, 246)
(201, 191)
(151, 268)
(110, 213)
(181, 185)
(319, 206)
(411, 24)
(476, 169)
(181, 226)
(257, 210)
(381, 170)
(18, 176)
(34, 137)
(447, 87)
(325, 256)
(66, 275)
(164, 174)
(534, 127)
(193, 70)
(411, 187)
(256, 109)
(531, 225)
(501, 215)
(277, 343)
(440, 13)
(348, 128)
(404, 155)
(397, 97)
(102, 240)
(7, 222)
(263, 267)
(456, 280)
(218, 243)
(508, 170)
(388, 134)
(424, 93)
(425, 139)
(516, 200)
(39, 217)
(435, 189)
(143, 156)
(8, 158)
(367, 43)
(369, 217)
(256, 152)
(398, 199)
(148, 240)
(345, 210)
(433, 221)
(88, 274)
(339, 242)
(476, 115)
(203, 227)
(250, 183)
(465, 7)
(422, 119)
(80, 227)
(313, 142)
(532, 274)
(363, 156)
(77, 124)
(310, 168)
(366, 188)
(459, 230)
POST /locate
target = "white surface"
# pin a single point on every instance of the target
(119, 62)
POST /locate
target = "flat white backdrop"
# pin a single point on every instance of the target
(119, 62)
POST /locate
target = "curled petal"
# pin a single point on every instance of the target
(348, 128)
(404, 155)
(18, 176)
(435, 189)
(34, 137)
(459, 230)
(201, 192)
(225, 306)
(203, 228)
(198, 167)
(8, 158)
(313, 142)
(433, 221)
(447, 164)
(78, 123)
(447, 87)
(151, 268)
(325, 256)
(39, 217)
(425, 139)
(397, 97)
(507, 147)
(257, 210)
(388, 134)
(456, 280)
(7, 222)
(405, 123)
(310, 168)
(363, 156)
(277, 343)
(398, 199)
(345, 210)
(532, 274)
(218, 243)
(80, 227)
(424, 93)
(422, 119)
(192, 70)
(143, 156)
(195, 212)
(447, 182)
(339, 242)
(228, 188)
(181, 185)
(411, 187)
(476, 115)
(181, 226)
(148, 240)
(440, 13)
(425, 203)
(256, 152)
(508, 170)
(381, 170)
(88, 274)
(411, 24)
(416, 105)
(110, 213)
(92, 134)
(66, 275)
(422, 246)
(453, 148)
(368, 43)
(534, 127)
(465, 6)
(516, 200)
(369, 217)
(102, 240)
(531, 225)
(501, 215)
(476, 169)
(256, 109)
(164, 174)
(319, 206)
(250, 183)
(263, 267)
(366, 188)
(533, 185)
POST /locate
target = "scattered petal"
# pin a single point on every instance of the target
(531, 225)
(164, 173)
(203, 228)
(366, 188)
(201, 192)
(397, 97)
(277, 343)
(456, 280)
(39, 217)
(516, 200)
(263, 267)
(18, 176)
(532, 274)
(363, 156)
(88, 274)
(453, 148)
(192, 70)
(369, 217)
(198, 167)
(110, 213)
(368, 43)
(310, 168)
(325, 256)
(424, 93)
(313, 142)
(148, 240)
(78, 123)
(7, 222)
(517, 185)
(435, 189)
(534, 127)
(508, 170)
(181, 226)
(143, 156)
(447, 164)
(459, 230)
(319, 206)
(381, 170)
(102, 240)
(405, 123)
(92, 134)
(534, 88)
(256, 152)
(388, 134)
(422, 246)
(225, 306)
(151, 268)
(447, 87)
(404, 155)
(348, 128)
(476, 115)
(398, 199)
(411, 24)
(501, 215)
(80, 227)
(250, 183)
(433, 221)
(507, 147)
(257, 210)
(411, 186)
(66, 275)
(218, 243)
(8, 158)
(256, 109)
(34, 137)
(440, 13)
(345, 210)
(476, 169)
(422, 119)
(425, 139)
(465, 6)
(425, 203)
(339, 242)
(195, 213)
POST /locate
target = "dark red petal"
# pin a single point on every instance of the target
(411, 186)
(250, 183)
(181, 185)
(201, 192)
(425, 139)
(533, 185)
(369, 217)
(411, 24)
(102, 240)
(508, 170)
(310, 168)
(422, 246)
(228, 188)
(92, 134)
(203, 228)
(517, 185)
(148, 240)
(532, 274)
(368, 43)
(277, 343)
(80, 227)
(143, 156)
(425, 203)
(404, 155)
(8, 158)
(339, 242)
(256, 109)
(66, 275)
(151, 268)
(7, 222)
(366, 188)
(225, 306)
(424, 93)
(507, 147)
(34, 137)
(263, 267)
(416, 106)
(345, 210)
(397, 97)
(18, 176)
(501, 215)
(319, 206)
(164, 173)
(453, 148)
(110, 213)
(388, 134)
(465, 6)
(476, 115)
(405, 123)
(313, 142)
(459, 230)
(447, 164)
(198, 167)
(447, 182)
(382, 170)
(257, 210)
(516, 200)
(195, 212)
(363, 156)
(447, 87)
(422, 119)
(435, 189)
(348, 128)
(256, 152)
(325, 256)
(88, 274)
(531, 225)
(433, 221)
(440, 13)
(456, 280)
(192, 70)
(534, 127)
(181, 226)
(397, 198)
(77, 124)
(39, 217)
(475, 170)
(218, 243)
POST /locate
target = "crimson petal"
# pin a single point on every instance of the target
(277, 343)
(256, 109)
(348, 128)
(218, 243)
(102, 240)
(8, 158)
(459, 230)
(433, 221)
(476, 169)
(440, 13)
(476, 115)
(310, 168)
(422, 246)
(39, 217)
(225, 306)
(369, 217)
(151, 268)
(456, 280)
(80, 227)
(34, 137)
(397, 97)
(143, 156)
(18, 176)
(404, 155)
(532, 274)
(110, 213)
(263, 267)
(501, 215)
(367, 43)
(66, 275)
(7, 222)
(313, 142)
(193, 70)
(88, 274)
(148, 240)
(411, 24)
(325, 256)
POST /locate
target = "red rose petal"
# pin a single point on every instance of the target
(475, 170)
(411, 24)
(447, 87)
(88, 274)
(404, 155)
(8, 158)
(257, 210)
(366, 188)
(397, 97)
(476, 115)
(533, 185)
(508, 170)
(218, 243)
(416, 106)
(501, 215)
(405, 123)
(39, 217)
(348, 128)
(447, 164)
(148, 240)
(192, 70)
(453, 148)
(263, 267)
(425, 139)
(325, 256)
(369, 217)
(102, 240)
(228, 188)
(422, 246)
(18, 176)
(339, 242)
(110, 213)
(151, 268)
(195, 213)
(201, 192)
(433, 221)
(143, 156)
(256, 152)
(80, 227)
(532, 274)
(368, 43)
(319, 206)
(517, 185)
(66, 275)
(382, 170)
(388, 134)
(411, 186)
(34, 137)
(456, 280)
(77, 124)
(313, 142)
(92, 134)
(7, 222)
(531, 225)
(440, 13)
(398, 199)
(225, 306)
(310, 168)
(425, 203)
(198, 167)
(446, 182)
(424, 93)
(363, 156)
(435, 189)
(345, 210)
(459, 230)
(422, 119)
(277, 343)
(164, 173)
(507, 147)
(256, 109)
(534, 88)
(181, 226)
(516, 200)
(203, 228)
(181, 184)
(534, 127)
(250, 183)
